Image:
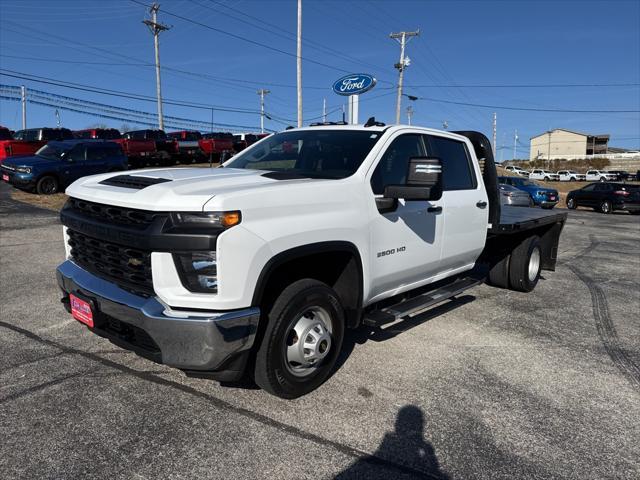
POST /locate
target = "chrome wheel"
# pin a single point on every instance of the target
(308, 341)
(534, 264)
(571, 204)
(605, 207)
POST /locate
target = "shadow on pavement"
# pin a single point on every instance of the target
(405, 445)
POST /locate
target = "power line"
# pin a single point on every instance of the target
(238, 37)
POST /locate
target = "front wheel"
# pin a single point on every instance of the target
(571, 204)
(605, 207)
(302, 340)
(47, 185)
(602, 179)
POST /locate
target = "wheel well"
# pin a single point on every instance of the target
(50, 174)
(337, 264)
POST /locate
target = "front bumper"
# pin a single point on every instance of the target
(19, 180)
(201, 341)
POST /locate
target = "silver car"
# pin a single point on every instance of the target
(512, 196)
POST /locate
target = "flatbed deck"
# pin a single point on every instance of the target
(517, 219)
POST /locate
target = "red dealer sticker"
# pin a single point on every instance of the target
(81, 310)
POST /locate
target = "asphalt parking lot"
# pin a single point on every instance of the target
(495, 384)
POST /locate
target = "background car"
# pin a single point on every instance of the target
(571, 176)
(540, 174)
(58, 164)
(600, 176)
(510, 195)
(606, 197)
(621, 175)
(542, 196)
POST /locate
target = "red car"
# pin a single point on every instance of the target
(28, 142)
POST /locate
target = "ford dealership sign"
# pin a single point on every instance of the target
(354, 84)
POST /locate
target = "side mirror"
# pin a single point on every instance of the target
(424, 181)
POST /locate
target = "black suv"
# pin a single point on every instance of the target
(606, 197)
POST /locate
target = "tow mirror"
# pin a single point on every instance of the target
(424, 181)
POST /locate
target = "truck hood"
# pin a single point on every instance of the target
(178, 189)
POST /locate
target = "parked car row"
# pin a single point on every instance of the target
(573, 176)
(142, 147)
(539, 195)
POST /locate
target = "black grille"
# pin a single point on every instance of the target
(120, 215)
(131, 181)
(129, 268)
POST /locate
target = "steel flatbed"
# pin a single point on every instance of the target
(519, 219)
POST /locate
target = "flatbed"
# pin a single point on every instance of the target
(518, 219)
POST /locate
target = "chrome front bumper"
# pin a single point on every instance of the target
(203, 341)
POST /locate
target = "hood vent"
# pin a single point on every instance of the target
(131, 181)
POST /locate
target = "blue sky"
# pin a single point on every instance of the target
(463, 48)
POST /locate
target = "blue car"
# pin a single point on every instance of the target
(542, 196)
(59, 163)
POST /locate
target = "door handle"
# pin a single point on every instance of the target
(481, 204)
(434, 209)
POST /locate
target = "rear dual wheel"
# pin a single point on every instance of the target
(520, 269)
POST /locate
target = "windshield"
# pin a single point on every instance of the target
(310, 153)
(50, 151)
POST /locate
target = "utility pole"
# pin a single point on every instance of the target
(262, 92)
(156, 28)
(409, 114)
(23, 95)
(404, 62)
(299, 64)
(515, 141)
(324, 110)
(58, 121)
(495, 132)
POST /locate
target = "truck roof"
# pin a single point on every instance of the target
(379, 128)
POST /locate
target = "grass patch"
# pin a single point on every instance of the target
(50, 202)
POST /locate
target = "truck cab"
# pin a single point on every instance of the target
(27, 142)
(261, 265)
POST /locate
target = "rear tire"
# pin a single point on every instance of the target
(524, 268)
(302, 340)
(47, 185)
(605, 207)
(499, 273)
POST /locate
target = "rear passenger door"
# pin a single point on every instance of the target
(96, 160)
(465, 203)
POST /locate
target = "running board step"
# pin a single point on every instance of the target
(377, 318)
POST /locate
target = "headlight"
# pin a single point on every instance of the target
(207, 219)
(23, 169)
(198, 271)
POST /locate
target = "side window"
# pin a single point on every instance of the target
(95, 154)
(76, 154)
(589, 188)
(394, 164)
(603, 187)
(457, 172)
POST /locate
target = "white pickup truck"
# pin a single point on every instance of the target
(539, 174)
(258, 267)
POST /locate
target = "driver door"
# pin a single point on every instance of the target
(74, 164)
(406, 243)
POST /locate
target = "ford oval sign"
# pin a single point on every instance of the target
(354, 84)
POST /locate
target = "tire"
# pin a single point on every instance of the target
(572, 179)
(302, 308)
(499, 273)
(634, 212)
(571, 204)
(547, 179)
(602, 179)
(605, 207)
(47, 185)
(524, 268)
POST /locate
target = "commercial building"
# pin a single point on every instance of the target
(562, 143)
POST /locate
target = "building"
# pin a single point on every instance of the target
(562, 143)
